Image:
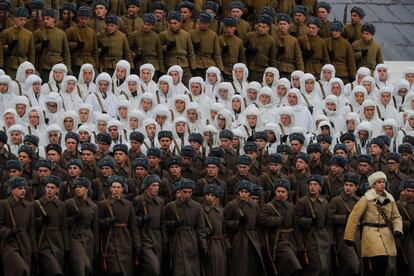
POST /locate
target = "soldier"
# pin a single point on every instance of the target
(316, 165)
(352, 32)
(122, 166)
(206, 45)
(83, 41)
(405, 207)
(101, 186)
(299, 28)
(17, 228)
(177, 47)
(67, 190)
(154, 162)
(382, 227)
(340, 53)
(231, 47)
(120, 240)
(367, 51)
(278, 219)
(313, 218)
(184, 221)
(211, 177)
(188, 22)
(188, 171)
(314, 51)
(68, 12)
(406, 166)
(260, 49)
(341, 206)
(36, 186)
(83, 223)
(323, 11)
(146, 45)
(113, 46)
(18, 42)
(5, 153)
(51, 45)
(218, 244)
(376, 148)
(394, 175)
(35, 19)
(100, 8)
(149, 210)
(71, 145)
(13, 168)
(5, 21)
(270, 177)
(240, 218)
(52, 230)
(173, 165)
(131, 21)
(90, 170)
(288, 53)
(196, 140)
(333, 182)
(159, 9)
(243, 27)
(216, 25)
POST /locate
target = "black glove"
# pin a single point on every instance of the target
(331, 55)
(308, 53)
(45, 43)
(314, 221)
(196, 46)
(310, 109)
(364, 52)
(178, 222)
(251, 52)
(171, 45)
(104, 50)
(284, 138)
(80, 45)
(193, 72)
(45, 220)
(225, 49)
(146, 218)
(137, 57)
(349, 243)
(112, 220)
(281, 51)
(12, 45)
(243, 220)
(398, 235)
(77, 217)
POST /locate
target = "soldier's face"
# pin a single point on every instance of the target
(116, 189)
(180, 127)
(42, 172)
(185, 194)
(366, 36)
(225, 143)
(51, 190)
(336, 89)
(120, 157)
(87, 75)
(264, 99)
(300, 164)
(153, 189)
(113, 131)
(369, 112)
(140, 171)
(123, 112)
(210, 199)
(145, 75)
(236, 13)
(180, 105)
(236, 104)
(363, 168)
(355, 18)
(121, 73)
(323, 14)
(83, 115)
(392, 166)
(185, 14)
(385, 98)
(283, 26)
(243, 169)
(159, 14)
(133, 10)
(192, 115)
(281, 90)
(19, 192)
(106, 171)
(164, 88)
(408, 193)
(83, 20)
(411, 121)
(382, 73)
(309, 84)
(299, 17)
(350, 188)
(161, 119)
(187, 160)
(146, 27)
(100, 11)
(292, 99)
(153, 161)
(34, 118)
(335, 33)
(150, 129)
(243, 194)
(313, 29)
(49, 21)
(58, 75)
(54, 138)
(20, 21)
(314, 188)
(20, 109)
(252, 120)
(367, 85)
(315, 155)
(111, 28)
(101, 126)
(196, 89)
(81, 191)
(74, 171)
(16, 137)
(9, 119)
(327, 75)
(281, 194)
(223, 93)
(203, 26)
(269, 77)
(212, 78)
(71, 144)
(341, 153)
(331, 106)
(175, 76)
(230, 30)
(409, 77)
(285, 120)
(235, 142)
(146, 104)
(13, 173)
(263, 28)
(212, 170)
(336, 169)
(132, 86)
(359, 97)
(87, 156)
(375, 150)
(3, 87)
(36, 87)
(165, 142)
(174, 25)
(379, 186)
(51, 107)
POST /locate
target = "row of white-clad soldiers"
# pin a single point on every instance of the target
(128, 102)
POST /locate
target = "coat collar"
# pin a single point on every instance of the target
(372, 195)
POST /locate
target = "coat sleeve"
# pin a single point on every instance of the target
(64, 228)
(396, 218)
(190, 54)
(300, 213)
(336, 219)
(66, 53)
(217, 54)
(201, 230)
(298, 57)
(133, 226)
(268, 218)
(231, 220)
(354, 218)
(32, 230)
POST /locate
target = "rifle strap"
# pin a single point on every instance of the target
(312, 209)
(100, 103)
(9, 210)
(345, 204)
(175, 209)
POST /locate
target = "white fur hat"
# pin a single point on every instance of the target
(375, 177)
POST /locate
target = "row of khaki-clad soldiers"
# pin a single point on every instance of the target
(180, 37)
(294, 213)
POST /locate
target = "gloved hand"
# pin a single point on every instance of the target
(179, 222)
(310, 109)
(12, 45)
(314, 221)
(45, 220)
(112, 220)
(104, 50)
(349, 242)
(251, 52)
(77, 217)
(308, 53)
(225, 49)
(45, 43)
(146, 218)
(364, 52)
(281, 51)
(243, 220)
(331, 55)
(398, 235)
(196, 46)
(80, 45)
(171, 45)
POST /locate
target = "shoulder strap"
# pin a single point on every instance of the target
(100, 102)
(10, 213)
(269, 204)
(345, 204)
(379, 112)
(175, 209)
(74, 205)
(158, 97)
(78, 89)
(172, 115)
(402, 206)
(191, 97)
(306, 100)
(42, 209)
(50, 87)
(108, 206)
(312, 209)
(19, 87)
(282, 129)
(63, 102)
(322, 89)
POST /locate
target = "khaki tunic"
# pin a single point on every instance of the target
(24, 50)
(182, 54)
(406, 209)
(288, 54)
(120, 241)
(97, 24)
(342, 57)
(367, 53)
(57, 50)
(314, 53)
(117, 49)
(232, 52)
(161, 26)
(352, 32)
(243, 29)
(325, 30)
(217, 26)
(283, 6)
(264, 46)
(189, 25)
(89, 52)
(131, 24)
(18, 249)
(375, 241)
(207, 49)
(117, 7)
(53, 238)
(298, 29)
